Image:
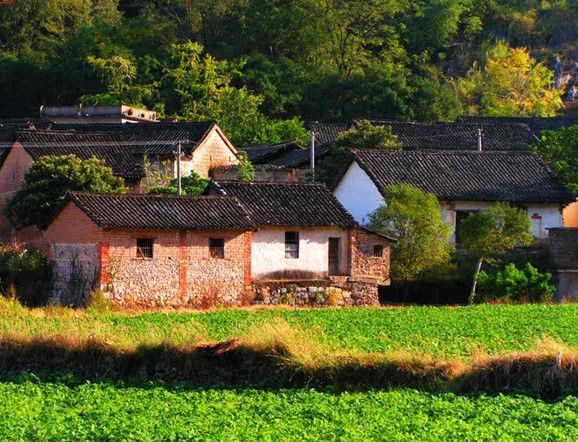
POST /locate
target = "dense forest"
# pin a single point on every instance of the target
(262, 68)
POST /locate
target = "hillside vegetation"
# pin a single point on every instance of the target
(262, 67)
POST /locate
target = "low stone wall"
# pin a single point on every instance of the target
(333, 292)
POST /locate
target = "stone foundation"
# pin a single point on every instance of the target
(333, 292)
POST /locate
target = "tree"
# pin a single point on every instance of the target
(423, 236)
(511, 84)
(559, 149)
(191, 185)
(366, 135)
(494, 232)
(47, 182)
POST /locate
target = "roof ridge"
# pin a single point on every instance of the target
(271, 183)
(148, 195)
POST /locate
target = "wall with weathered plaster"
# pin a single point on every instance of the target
(268, 253)
(363, 263)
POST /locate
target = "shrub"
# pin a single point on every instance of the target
(27, 273)
(516, 285)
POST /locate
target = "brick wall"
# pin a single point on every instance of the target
(363, 263)
(213, 152)
(181, 272)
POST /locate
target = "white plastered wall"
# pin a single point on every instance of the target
(357, 193)
(268, 259)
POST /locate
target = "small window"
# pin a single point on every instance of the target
(292, 245)
(378, 251)
(217, 248)
(144, 248)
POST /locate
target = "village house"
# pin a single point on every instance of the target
(564, 248)
(463, 181)
(97, 114)
(241, 243)
(129, 149)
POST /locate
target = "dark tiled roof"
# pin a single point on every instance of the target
(518, 177)
(461, 136)
(126, 161)
(328, 132)
(24, 123)
(158, 138)
(286, 204)
(265, 153)
(299, 158)
(163, 212)
(536, 124)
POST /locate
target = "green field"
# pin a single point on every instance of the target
(37, 406)
(440, 331)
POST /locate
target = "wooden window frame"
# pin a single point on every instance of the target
(145, 248)
(292, 245)
(377, 251)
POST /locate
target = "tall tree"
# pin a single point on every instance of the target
(493, 232)
(423, 236)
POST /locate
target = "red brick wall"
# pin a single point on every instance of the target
(181, 272)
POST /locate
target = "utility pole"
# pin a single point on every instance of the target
(312, 154)
(179, 186)
(479, 139)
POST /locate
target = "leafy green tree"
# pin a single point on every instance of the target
(47, 182)
(491, 233)
(414, 218)
(511, 83)
(366, 135)
(191, 185)
(559, 149)
(246, 169)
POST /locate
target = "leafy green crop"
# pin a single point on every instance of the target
(57, 411)
(440, 331)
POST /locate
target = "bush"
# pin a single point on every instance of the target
(516, 285)
(27, 273)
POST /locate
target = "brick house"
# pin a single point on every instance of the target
(155, 251)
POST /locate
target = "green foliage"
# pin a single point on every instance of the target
(47, 182)
(495, 231)
(25, 273)
(559, 149)
(246, 169)
(191, 185)
(511, 83)
(367, 136)
(105, 410)
(516, 285)
(414, 218)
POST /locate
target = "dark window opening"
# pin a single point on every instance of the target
(144, 248)
(378, 251)
(217, 248)
(292, 245)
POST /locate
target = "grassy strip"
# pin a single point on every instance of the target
(444, 332)
(278, 355)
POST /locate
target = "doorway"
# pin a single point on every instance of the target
(334, 256)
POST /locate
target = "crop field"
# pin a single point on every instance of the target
(55, 404)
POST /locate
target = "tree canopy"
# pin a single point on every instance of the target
(559, 149)
(414, 218)
(262, 67)
(367, 136)
(48, 181)
(493, 232)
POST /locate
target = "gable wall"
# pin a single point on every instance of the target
(213, 152)
(357, 193)
(12, 174)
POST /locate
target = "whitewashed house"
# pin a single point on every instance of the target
(463, 180)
